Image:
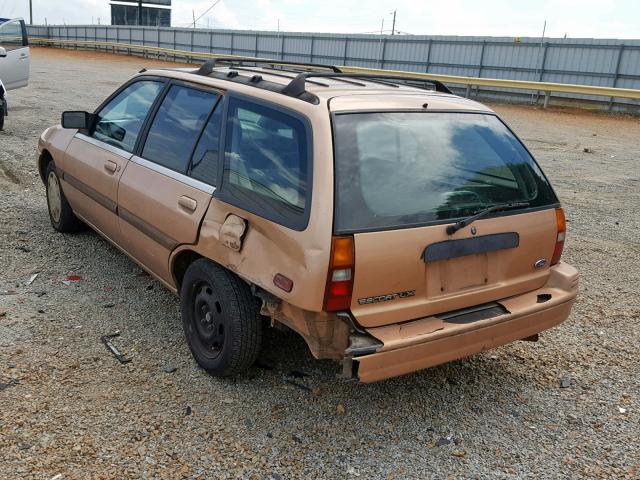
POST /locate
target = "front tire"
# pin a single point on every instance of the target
(60, 213)
(221, 319)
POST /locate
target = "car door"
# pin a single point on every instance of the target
(95, 160)
(14, 67)
(160, 206)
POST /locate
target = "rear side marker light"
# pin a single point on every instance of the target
(340, 276)
(283, 282)
(561, 229)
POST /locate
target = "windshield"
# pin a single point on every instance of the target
(403, 169)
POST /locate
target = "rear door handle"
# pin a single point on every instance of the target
(187, 203)
(110, 166)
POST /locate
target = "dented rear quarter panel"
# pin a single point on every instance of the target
(269, 248)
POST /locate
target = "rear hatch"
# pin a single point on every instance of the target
(403, 177)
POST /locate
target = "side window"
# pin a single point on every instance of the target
(266, 162)
(177, 126)
(120, 121)
(204, 163)
(11, 35)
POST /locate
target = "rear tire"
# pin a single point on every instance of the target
(221, 319)
(60, 213)
(2, 107)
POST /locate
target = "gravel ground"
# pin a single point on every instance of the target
(565, 407)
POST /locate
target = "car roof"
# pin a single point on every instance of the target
(338, 92)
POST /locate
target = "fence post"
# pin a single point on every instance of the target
(484, 44)
(256, 45)
(282, 47)
(232, 40)
(384, 52)
(311, 52)
(541, 74)
(344, 56)
(426, 68)
(617, 73)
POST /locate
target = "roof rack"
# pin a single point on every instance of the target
(212, 63)
(297, 86)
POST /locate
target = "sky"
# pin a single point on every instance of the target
(516, 18)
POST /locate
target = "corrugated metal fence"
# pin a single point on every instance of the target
(580, 61)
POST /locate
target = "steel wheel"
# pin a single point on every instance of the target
(209, 322)
(220, 317)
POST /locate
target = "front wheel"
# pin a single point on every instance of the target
(60, 213)
(220, 318)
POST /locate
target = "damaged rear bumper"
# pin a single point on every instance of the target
(426, 342)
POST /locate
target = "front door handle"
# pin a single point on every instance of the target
(187, 203)
(110, 166)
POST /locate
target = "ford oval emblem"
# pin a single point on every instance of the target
(540, 263)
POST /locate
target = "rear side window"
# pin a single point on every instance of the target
(403, 169)
(204, 163)
(177, 126)
(120, 120)
(266, 164)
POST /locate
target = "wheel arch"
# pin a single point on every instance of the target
(43, 161)
(179, 263)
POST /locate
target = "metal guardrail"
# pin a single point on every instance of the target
(547, 87)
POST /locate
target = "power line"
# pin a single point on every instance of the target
(205, 12)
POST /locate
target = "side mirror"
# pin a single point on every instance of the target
(75, 119)
(3, 52)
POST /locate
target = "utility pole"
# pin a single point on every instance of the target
(193, 12)
(139, 12)
(30, 12)
(393, 27)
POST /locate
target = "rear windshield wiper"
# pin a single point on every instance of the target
(451, 229)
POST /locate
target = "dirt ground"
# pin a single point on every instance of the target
(565, 407)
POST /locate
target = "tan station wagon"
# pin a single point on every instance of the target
(392, 224)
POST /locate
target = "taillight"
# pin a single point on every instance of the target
(562, 231)
(340, 277)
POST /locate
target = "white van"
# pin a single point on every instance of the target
(14, 60)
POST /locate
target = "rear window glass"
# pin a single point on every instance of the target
(404, 169)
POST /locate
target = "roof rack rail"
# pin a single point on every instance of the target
(297, 86)
(212, 63)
